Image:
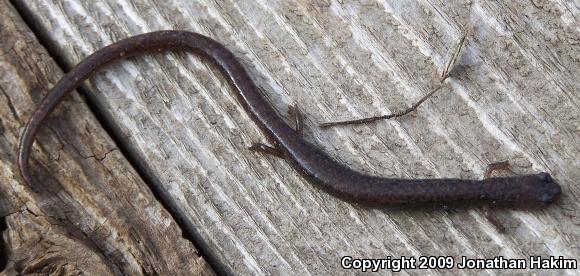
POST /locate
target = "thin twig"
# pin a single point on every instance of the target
(382, 117)
(448, 69)
(451, 64)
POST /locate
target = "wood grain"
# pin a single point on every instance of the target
(93, 214)
(514, 95)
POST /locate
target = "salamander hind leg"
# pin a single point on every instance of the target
(263, 148)
(298, 119)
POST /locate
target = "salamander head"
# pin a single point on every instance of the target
(551, 190)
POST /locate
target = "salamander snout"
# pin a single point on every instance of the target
(550, 190)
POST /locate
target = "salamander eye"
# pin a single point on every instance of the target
(545, 177)
(547, 198)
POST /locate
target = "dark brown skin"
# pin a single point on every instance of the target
(313, 164)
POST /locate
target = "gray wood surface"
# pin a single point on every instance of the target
(514, 95)
(91, 214)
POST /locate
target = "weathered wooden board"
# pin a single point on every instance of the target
(93, 214)
(515, 95)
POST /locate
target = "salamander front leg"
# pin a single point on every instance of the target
(487, 210)
(497, 166)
